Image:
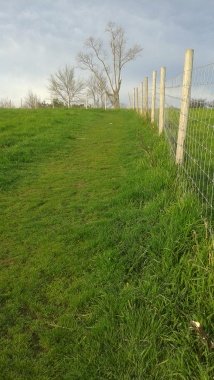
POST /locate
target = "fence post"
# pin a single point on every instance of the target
(162, 99)
(137, 99)
(130, 101)
(141, 103)
(145, 96)
(154, 75)
(185, 100)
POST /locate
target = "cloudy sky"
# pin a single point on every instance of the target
(39, 36)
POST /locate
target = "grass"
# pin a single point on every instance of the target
(104, 261)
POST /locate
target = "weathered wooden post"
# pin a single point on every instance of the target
(145, 96)
(185, 101)
(154, 76)
(137, 100)
(130, 101)
(162, 99)
(141, 103)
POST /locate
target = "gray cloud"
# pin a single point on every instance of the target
(38, 37)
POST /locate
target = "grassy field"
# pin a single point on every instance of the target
(104, 261)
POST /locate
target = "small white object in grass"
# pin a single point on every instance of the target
(196, 324)
(203, 335)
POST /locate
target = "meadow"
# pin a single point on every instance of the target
(105, 261)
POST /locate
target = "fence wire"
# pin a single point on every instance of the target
(198, 163)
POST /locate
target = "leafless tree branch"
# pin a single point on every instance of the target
(63, 85)
(109, 65)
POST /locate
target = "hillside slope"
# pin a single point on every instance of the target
(104, 261)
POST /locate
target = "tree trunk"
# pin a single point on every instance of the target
(116, 100)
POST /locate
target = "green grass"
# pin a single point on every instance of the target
(104, 261)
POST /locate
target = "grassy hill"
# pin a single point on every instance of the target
(104, 260)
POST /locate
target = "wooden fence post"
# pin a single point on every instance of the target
(130, 101)
(137, 100)
(185, 100)
(141, 103)
(154, 76)
(145, 96)
(162, 99)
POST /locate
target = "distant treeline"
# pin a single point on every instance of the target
(201, 103)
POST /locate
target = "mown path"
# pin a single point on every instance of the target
(85, 290)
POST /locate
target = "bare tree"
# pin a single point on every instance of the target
(6, 103)
(31, 100)
(64, 87)
(198, 103)
(111, 64)
(97, 90)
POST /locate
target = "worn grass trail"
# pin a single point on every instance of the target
(104, 261)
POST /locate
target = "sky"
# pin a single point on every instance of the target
(37, 37)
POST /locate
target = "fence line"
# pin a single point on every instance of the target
(183, 108)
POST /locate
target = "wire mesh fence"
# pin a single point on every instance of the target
(198, 160)
(189, 112)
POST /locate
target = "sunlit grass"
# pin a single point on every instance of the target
(104, 261)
